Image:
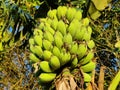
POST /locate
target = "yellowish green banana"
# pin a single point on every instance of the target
(37, 50)
(45, 67)
(48, 36)
(54, 24)
(33, 58)
(40, 27)
(61, 27)
(31, 41)
(73, 27)
(54, 62)
(78, 15)
(88, 67)
(47, 44)
(74, 62)
(86, 36)
(49, 28)
(87, 77)
(82, 49)
(88, 58)
(80, 33)
(52, 14)
(47, 77)
(58, 41)
(64, 58)
(56, 51)
(91, 44)
(70, 13)
(38, 40)
(85, 21)
(74, 48)
(67, 39)
(61, 11)
(38, 32)
(58, 33)
(47, 55)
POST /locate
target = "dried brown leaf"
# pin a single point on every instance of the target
(62, 85)
(73, 84)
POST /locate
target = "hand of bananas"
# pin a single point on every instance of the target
(62, 37)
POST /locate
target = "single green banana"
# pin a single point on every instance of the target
(73, 27)
(74, 48)
(45, 67)
(51, 30)
(85, 21)
(64, 58)
(33, 58)
(58, 33)
(52, 14)
(47, 55)
(47, 77)
(61, 11)
(43, 20)
(87, 77)
(80, 33)
(56, 51)
(88, 67)
(54, 62)
(38, 40)
(48, 36)
(47, 44)
(58, 41)
(61, 27)
(67, 39)
(70, 14)
(74, 62)
(86, 36)
(82, 49)
(48, 28)
(54, 24)
(41, 26)
(38, 32)
(31, 41)
(48, 20)
(78, 15)
(89, 29)
(88, 58)
(91, 44)
(37, 50)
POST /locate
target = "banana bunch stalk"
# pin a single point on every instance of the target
(63, 39)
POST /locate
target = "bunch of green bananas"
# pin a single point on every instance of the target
(62, 38)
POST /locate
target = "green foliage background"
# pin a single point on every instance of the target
(15, 69)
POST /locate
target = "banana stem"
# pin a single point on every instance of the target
(101, 78)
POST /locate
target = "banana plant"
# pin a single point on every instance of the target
(16, 25)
